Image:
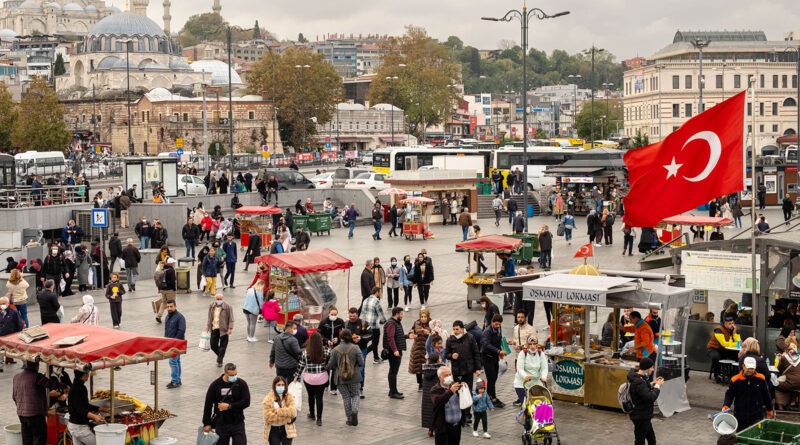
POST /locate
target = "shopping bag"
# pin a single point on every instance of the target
(156, 305)
(91, 276)
(60, 314)
(464, 397)
(62, 285)
(296, 390)
(205, 341)
(502, 367)
(121, 264)
(504, 345)
(206, 438)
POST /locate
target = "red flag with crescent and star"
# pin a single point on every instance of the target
(700, 161)
(585, 251)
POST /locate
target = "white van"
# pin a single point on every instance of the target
(44, 163)
(536, 178)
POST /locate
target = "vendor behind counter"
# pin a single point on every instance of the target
(726, 335)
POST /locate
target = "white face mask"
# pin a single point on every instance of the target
(333, 317)
(3, 307)
(458, 336)
(448, 380)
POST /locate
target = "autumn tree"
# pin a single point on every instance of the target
(607, 114)
(210, 27)
(302, 85)
(8, 118)
(423, 86)
(40, 124)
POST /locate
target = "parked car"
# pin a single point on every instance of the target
(341, 175)
(323, 180)
(367, 158)
(95, 171)
(191, 185)
(371, 181)
(288, 179)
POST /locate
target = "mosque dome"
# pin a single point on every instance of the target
(126, 24)
(7, 34)
(176, 64)
(218, 70)
(74, 7)
(53, 5)
(91, 8)
(30, 4)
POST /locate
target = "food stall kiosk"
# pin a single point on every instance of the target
(259, 218)
(308, 282)
(670, 230)
(95, 348)
(481, 283)
(418, 221)
(582, 303)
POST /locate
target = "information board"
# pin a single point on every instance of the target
(720, 271)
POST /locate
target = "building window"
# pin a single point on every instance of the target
(774, 81)
(674, 129)
(761, 109)
(774, 128)
(186, 117)
(688, 110)
(794, 81)
(251, 115)
(688, 82)
(719, 81)
(761, 81)
(774, 108)
(676, 110)
(737, 80)
(761, 128)
(675, 82)
(749, 108)
(784, 81)
(749, 128)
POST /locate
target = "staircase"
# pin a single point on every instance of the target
(485, 206)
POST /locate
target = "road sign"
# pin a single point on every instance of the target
(179, 151)
(327, 145)
(178, 142)
(99, 217)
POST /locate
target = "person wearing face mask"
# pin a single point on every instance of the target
(330, 327)
(445, 430)
(531, 368)
(53, 266)
(643, 395)
(285, 353)
(280, 414)
(10, 320)
(392, 284)
(491, 354)
(220, 324)
(407, 281)
(223, 410)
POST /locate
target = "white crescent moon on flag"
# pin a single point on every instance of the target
(715, 148)
(584, 250)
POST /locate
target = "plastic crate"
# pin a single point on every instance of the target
(770, 432)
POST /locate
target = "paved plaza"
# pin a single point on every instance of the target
(382, 420)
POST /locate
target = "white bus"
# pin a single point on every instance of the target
(44, 163)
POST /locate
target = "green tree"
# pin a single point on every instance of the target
(202, 27)
(301, 38)
(640, 140)
(256, 31)
(423, 86)
(454, 43)
(298, 93)
(540, 134)
(40, 124)
(217, 148)
(605, 118)
(58, 67)
(8, 118)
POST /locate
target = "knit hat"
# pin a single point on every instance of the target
(645, 364)
(480, 384)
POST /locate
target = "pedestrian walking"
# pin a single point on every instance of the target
(350, 217)
(220, 324)
(394, 341)
(280, 414)
(114, 292)
(49, 306)
(429, 378)
(114, 250)
(407, 281)
(83, 264)
(361, 335)
(131, 257)
(53, 266)
(372, 313)
(497, 208)
(465, 221)
(481, 405)
(367, 279)
(511, 208)
(344, 363)
(230, 249)
(393, 220)
(378, 274)
(330, 328)
(253, 249)
(569, 225)
(17, 291)
(423, 278)
(607, 221)
(191, 234)
(643, 395)
(210, 270)
(545, 247)
(491, 354)
(167, 286)
(312, 370)
(285, 353)
(252, 307)
(421, 329)
(270, 311)
(174, 327)
(377, 220)
(628, 237)
(392, 274)
(223, 409)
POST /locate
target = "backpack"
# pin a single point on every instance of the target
(610, 219)
(624, 397)
(160, 277)
(346, 367)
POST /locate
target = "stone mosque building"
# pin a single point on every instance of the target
(64, 17)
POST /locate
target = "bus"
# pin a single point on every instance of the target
(389, 160)
(39, 163)
(539, 158)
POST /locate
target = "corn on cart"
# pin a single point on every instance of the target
(308, 282)
(93, 348)
(480, 283)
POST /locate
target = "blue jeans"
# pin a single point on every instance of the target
(175, 366)
(465, 229)
(364, 354)
(230, 268)
(190, 245)
(567, 234)
(352, 225)
(145, 242)
(23, 312)
(598, 205)
(377, 224)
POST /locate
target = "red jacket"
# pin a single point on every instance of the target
(206, 222)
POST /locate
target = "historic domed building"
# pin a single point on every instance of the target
(65, 17)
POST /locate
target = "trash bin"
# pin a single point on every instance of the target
(529, 248)
(299, 221)
(183, 278)
(111, 434)
(163, 440)
(319, 222)
(530, 210)
(13, 434)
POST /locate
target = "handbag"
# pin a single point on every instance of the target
(464, 397)
(205, 341)
(156, 305)
(296, 390)
(315, 378)
(206, 438)
(385, 354)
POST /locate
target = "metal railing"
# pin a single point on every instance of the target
(25, 196)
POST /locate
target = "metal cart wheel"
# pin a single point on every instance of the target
(469, 303)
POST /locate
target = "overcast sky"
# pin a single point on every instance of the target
(624, 27)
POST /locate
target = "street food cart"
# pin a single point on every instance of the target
(308, 282)
(259, 218)
(94, 348)
(670, 230)
(590, 373)
(418, 219)
(481, 283)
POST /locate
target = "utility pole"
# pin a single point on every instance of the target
(699, 45)
(230, 104)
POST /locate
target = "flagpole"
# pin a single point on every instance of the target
(754, 292)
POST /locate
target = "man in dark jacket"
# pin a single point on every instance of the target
(285, 353)
(394, 341)
(10, 320)
(230, 249)
(749, 395)
(159, 235)
(253, 249)
(361, 337)
(367, 280)
(114, 249)
(29, 392)
(131, 257)
(643, 396)
(53, 266)
(511, 206)
(377, 221)
(446, 433)
(48, 303)
(80, 410)
(463, 354)
(167, 288)
(223, 410)
(190, 234)
(174, 327)
(491, 354)
(302, 239)
(519, 223)
(787, 206)
(393, 220)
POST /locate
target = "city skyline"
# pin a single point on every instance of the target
(648, 30)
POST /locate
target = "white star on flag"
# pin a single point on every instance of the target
(672, 168)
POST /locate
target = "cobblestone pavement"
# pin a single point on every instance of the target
(382, 420)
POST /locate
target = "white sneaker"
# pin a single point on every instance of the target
(408, 308)
(475, 433)
(271, 342)
(252, 339)
(487, 435)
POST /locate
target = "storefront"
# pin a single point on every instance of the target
(575, 179)
(440, 185)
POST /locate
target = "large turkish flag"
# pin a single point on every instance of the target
(701, 160)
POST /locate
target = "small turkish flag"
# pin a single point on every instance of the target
(700, 161)
(586, 251)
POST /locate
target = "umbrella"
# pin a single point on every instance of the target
(418, 200)
(393, 191)
(258, 210)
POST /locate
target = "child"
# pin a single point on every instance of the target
(270, 311)
(210, 270)
(481, 403)
(114, 292)
(434, 344)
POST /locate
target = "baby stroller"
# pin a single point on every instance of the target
(537, 418)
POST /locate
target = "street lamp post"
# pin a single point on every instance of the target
(699, 44)
(302, 69)
(607, 86)
(524, 17)
(592, 51)
(230, 105)
(575, 102)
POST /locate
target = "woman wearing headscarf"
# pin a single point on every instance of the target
(437, 328)
(84, 265)
(531, 368)
(87, 314)
(68, 273)
(429, 378)
(787, 333)
(422, 329)
(789, 380)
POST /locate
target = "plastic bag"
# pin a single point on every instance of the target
(121, 263)
(296, 390)
(90, 276)
(60, 314)
(502, 367)
(205, 341)
(206, 438)
(464, 397)
(504, 345)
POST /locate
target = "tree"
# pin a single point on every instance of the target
(8, 118)
(301, 38)
(423, 87)
(58, 67)
(613, 115)
(256, 31)
(640, 140)
(40, 125)
(202, 27)
(298, 93)
(454, 43)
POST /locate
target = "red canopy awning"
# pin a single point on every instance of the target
(258, 210)
(308, 261)
(787, 139)
(697, 220)
(490, 243)
(102, 347)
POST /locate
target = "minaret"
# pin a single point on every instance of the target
(166, 17)
(139, 6)
(217, 7)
